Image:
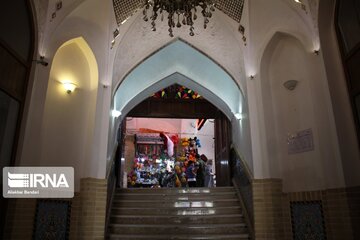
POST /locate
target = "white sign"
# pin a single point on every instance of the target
(302, 141)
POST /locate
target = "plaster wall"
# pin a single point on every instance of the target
(93, 20)
(241, 136)
(262, 20)
(287, 112)
(220, 41)
(68, 122)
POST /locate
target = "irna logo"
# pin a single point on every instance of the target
(37, 180)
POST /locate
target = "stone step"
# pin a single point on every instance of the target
(175, 196)
(185, 236)
(150, 203)
(171, 211)
(175, 229)
(186, 219)
(175, 190)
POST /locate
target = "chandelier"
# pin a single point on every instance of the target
(180, 12)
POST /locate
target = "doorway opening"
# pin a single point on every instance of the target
(172, 139)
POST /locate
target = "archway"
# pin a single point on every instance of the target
(169, 66)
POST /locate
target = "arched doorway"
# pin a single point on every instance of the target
(202, 75)
(187, 113)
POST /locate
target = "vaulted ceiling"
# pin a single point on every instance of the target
(125, 8)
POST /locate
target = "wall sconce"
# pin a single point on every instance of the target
(290, 84)
(115, 113)
(69, 87)
(115, 34)
(317, 51)
(238, 116)
(252, 77)
(303, 6)
(41, 61)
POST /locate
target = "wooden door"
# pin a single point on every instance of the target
(222, 151)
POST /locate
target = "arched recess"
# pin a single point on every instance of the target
(304, 40)
(287, 112)
(68, 119)
(179, 57)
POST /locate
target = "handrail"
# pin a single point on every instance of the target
(111, 186)
(246, 167)
(242, 180)
(112, 162)
(248, 221)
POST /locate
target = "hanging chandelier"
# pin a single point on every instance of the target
(180, 12)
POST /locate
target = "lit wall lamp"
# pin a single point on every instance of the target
(290, 84)
(115, 113)
(252, 77)
(69, 87)
(238, 116)
(317, 51)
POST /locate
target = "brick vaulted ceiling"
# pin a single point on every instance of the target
(125, 8)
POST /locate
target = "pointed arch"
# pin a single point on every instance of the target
(174, 58)
(276, 33)
(190, 45)
(178, 78)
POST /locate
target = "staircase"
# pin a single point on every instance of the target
(177, 213)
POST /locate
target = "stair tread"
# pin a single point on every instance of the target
(183, 236)
(174, 193)
(180, 216)
(214, 225)
(157, 200)
(176, 189)
(173, 213)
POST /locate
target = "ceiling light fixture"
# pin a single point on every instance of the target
(180, 12)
